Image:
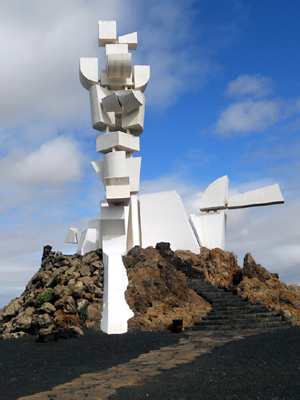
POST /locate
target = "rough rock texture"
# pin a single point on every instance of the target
(261, 287)
(66, 292)
(158, 293)
(219, 267)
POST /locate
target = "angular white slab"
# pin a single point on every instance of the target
(100, 118)
(164, 219)
(116, 49)
(118, 140)
(88, 72)
(259, 197)
(215, 196)
(134, 168)
(131, 39)
(134, 233)
(107, 32)
(72, 236)
(210, 228)
(90, 238)
(135, 120)
(111, 103)
(118, 66)
(141, 76)
(131, 99)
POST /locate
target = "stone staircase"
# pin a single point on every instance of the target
(230, 311)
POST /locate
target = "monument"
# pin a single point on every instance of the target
(117, 108)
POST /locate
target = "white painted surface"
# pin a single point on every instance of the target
(111, 103)
(211, 228)
(215, 196)
(118, 66)
(115, 84)
(90, 238)
(88, 72)
(100, 118)
(164, 219)
(107, 32)
(118, 140)
(72, 236)
(260, 197)
(131, 99)
(133, 234)
(131, 39)
(141, 76)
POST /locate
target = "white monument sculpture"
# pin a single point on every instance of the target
(118, 109)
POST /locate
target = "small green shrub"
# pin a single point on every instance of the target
(82, 314)
(42, 298)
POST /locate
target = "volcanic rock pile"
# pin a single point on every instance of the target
(66, 292)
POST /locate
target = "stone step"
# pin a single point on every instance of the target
(240, 326)
(248, 317)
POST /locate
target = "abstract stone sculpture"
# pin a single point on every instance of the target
(117, 109)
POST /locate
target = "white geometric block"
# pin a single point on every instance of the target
(90, 239)
(88, 72)
(141, 76)
(210, 228)
(131, 39)
(99, 168)
(107, 32)
(118, 193)
(118, 66)
(135, 120)
(111, 103)
(115, 164)
(215, 196)
(259, 197)
(133, 234)
(118, 140)
(116, 49)
(115, 84)
(72, 236)
(133, 169)
(116, 311)
(131, 99)
(100, 118)
(164, 219)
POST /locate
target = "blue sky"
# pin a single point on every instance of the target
(223, 98)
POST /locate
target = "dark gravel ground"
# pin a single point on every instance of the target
(265, 367)
(27, 367)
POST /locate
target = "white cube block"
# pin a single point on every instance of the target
(119, 140)
(131, 39)
(107, 32)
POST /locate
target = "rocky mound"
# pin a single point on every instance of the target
(158, 293)
(66, 292)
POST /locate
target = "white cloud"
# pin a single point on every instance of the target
(254, 85)
(249, 115)
(56, 163)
